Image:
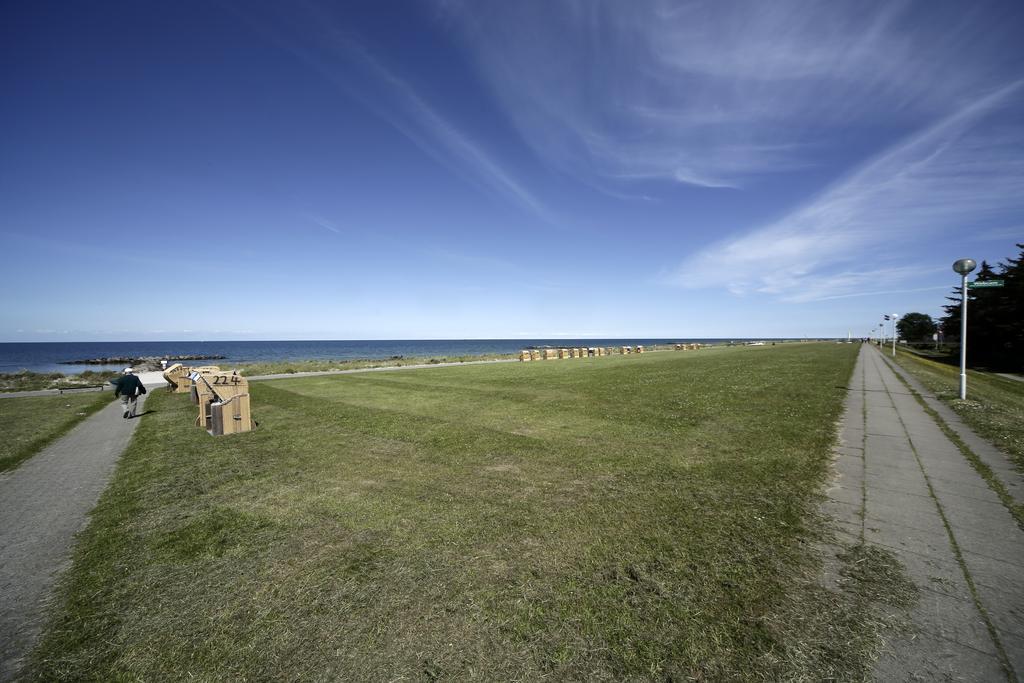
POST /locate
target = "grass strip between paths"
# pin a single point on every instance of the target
(994, 408)
(31, 423)
(1004, 660)
(648, 517)
(983, 470)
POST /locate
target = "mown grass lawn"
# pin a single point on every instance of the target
(327, 365)
(29, 423)
(639, 517)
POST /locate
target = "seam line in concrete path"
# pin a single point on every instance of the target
(994, 466)
(955, 546)
(913, 493)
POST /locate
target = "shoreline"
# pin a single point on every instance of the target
(155, 378)
(61, 379)
(49, 357)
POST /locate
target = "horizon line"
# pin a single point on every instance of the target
(406, 339)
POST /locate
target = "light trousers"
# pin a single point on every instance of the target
(130, 404)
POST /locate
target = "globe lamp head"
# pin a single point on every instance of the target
(964, 266)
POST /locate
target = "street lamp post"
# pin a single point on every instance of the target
(963, 267)
(894, 316)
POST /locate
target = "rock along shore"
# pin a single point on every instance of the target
(145, 361)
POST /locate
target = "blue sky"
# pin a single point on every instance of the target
(367, 170)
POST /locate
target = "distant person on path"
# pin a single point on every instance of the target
(129, 388)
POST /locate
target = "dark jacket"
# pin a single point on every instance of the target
(128, 385)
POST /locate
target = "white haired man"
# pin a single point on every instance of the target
(129, 388)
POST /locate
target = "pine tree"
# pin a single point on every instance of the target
(982, 320)
(995, 317)
(1008, 325)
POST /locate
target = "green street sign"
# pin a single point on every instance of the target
(980, 284)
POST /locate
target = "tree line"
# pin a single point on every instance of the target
(995, 318)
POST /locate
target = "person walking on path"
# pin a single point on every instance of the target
(44, 502)
(129, 387)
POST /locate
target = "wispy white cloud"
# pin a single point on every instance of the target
(884, 292)
(716, 94)
(322, 222)
(312, 33)
(950, 174)
(436, 135)
(837, 285)
(1013, 232)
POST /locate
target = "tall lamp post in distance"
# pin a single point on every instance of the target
(894, 316)
(963, 267)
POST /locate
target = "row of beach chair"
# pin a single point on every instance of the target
(589, 352)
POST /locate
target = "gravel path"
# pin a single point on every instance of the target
(904, 485)
(44, 502)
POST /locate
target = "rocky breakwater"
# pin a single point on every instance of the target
(142, 364)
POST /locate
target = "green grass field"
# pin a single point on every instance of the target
(643, 517)
(30, 423)
(994, 407)
(327, 365)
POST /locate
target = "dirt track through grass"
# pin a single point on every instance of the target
(625, 517)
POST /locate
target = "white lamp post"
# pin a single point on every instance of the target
(894, 316)
(963, 267)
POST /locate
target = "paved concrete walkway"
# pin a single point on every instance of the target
(903, 485)
(44, 502)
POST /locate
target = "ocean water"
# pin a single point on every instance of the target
(48, 356)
